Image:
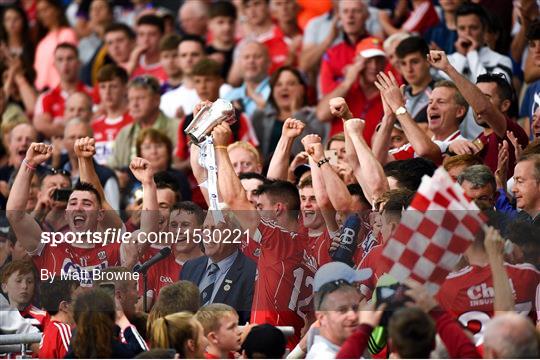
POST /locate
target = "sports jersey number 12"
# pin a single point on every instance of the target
(294, 304)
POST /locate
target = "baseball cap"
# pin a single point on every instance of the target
(334, 271)
(370, 47)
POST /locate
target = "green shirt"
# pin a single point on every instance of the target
(124, 148)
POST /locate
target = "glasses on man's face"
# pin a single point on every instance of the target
(53, 171)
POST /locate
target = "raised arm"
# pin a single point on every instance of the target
(25, 226)
(279, 164)
(194, 151)
(323, 111)
(480, 103)
(230, 188)
(384, 135)
(421, 143)
(85, 149)
(372, 177)
(504, 299)
(340, 109)
(312, 145)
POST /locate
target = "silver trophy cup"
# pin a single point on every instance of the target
(208, 117)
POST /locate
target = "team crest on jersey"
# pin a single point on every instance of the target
(102, 255)
(257, 252)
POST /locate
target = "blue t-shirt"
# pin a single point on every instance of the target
(530, 103)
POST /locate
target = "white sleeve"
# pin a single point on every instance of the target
(12, 321)
(112, 193)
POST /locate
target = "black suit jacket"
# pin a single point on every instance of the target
(237, 287)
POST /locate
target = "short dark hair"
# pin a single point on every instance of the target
(191, 208)
(152, 20)
(533, 32)
(356, 190)
(265, 342)
(409, 173)
(504, 89)
(246, 2)
(169, 42)
(397, 201)
(206, 67)
(222, 8)
(252, 175)
(110, 72)
(53, 293)
(165, 180)
(478, 176)
(193, 38)
(412, 333)
(114, 27)
(67, 46)
(473, 9)
(412, 45)
(281, 191)
(84, 186)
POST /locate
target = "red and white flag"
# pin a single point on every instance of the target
(434, 232)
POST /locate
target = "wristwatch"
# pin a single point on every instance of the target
(400, 111)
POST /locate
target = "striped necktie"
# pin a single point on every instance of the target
(206, 294)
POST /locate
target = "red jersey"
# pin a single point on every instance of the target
(37, 317)
(284, 285)
(105, 131)
(468, 294)
(75, 263)
(162, 273)
(319, 247)
(421, 19)
(155, 70)
(55, 341)
(53, 101)
(490, 152)
(371, 261)
(277, 46)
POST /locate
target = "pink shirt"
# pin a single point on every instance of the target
(46, 74)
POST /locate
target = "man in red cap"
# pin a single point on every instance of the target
(358, 88)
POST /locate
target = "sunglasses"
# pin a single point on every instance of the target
(148, 82)
(53, 171)
(330, 287)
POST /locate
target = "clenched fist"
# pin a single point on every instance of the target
(339, 108)
(142, 170)
(85, 147)
(292, 128)
(38, 153)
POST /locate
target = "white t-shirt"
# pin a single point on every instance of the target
(184, 98)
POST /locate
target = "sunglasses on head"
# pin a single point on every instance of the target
(53, 171)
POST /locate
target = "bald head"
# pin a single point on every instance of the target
(20, 138)
(193, 16)
(78, 105)
(75, 129)
(510, 336)
(255, 61)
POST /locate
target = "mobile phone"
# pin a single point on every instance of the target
(109, 288)
(332, 155)
(61, 195)
(394, 297)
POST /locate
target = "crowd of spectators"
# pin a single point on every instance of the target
(340, 109)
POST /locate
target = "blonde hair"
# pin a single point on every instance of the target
(246, 146)
(173, 331)
(210, 315)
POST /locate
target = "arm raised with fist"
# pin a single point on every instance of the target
(24, 225)
(278, 168)
(85, 149)
(486, 112)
